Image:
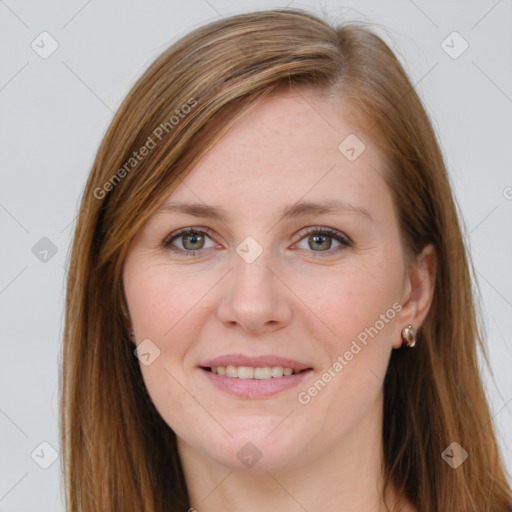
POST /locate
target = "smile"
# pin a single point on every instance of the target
(252, 377)
(249, 372)
(252, 387)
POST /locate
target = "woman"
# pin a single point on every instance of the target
(269, 304)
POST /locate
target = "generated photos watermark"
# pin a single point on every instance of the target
(151, 142)
(305, 397)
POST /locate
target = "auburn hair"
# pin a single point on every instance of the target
(117, 453)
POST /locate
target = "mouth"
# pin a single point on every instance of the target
(250, 372)
(254, 377)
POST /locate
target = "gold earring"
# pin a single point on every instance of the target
(409, 336)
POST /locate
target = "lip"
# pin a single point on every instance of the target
(255, 388)
(255, 362)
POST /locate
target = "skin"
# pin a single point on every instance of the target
(300, 299)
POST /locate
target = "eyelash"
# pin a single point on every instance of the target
(332, 233)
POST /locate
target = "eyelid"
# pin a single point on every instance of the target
(183, 231)
(334, 233)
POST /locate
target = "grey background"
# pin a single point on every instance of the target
(54, 112)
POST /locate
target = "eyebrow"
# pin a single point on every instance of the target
(288, 212)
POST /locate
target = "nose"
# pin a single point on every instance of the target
(254, 298)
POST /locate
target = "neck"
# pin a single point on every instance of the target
(347, 478)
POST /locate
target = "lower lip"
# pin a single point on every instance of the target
(255, 388)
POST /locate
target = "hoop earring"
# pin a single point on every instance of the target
(408, 336)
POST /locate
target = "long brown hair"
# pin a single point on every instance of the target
(117, 452)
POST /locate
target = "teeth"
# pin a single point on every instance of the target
(262, 373)
(245, 372)
(231, 371)
(248, 372)
(276, 371)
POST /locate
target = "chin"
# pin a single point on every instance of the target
(256, 444)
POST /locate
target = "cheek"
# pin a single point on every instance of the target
(159, 300)
(166, 309)
(351, 301)
(358, 307)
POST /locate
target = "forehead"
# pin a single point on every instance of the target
(293, 145)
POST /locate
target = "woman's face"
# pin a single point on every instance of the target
(293, 261)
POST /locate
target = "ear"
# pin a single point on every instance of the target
(417, 292)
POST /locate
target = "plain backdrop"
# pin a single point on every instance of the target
(55, 108)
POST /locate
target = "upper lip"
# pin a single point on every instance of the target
(254, 361)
